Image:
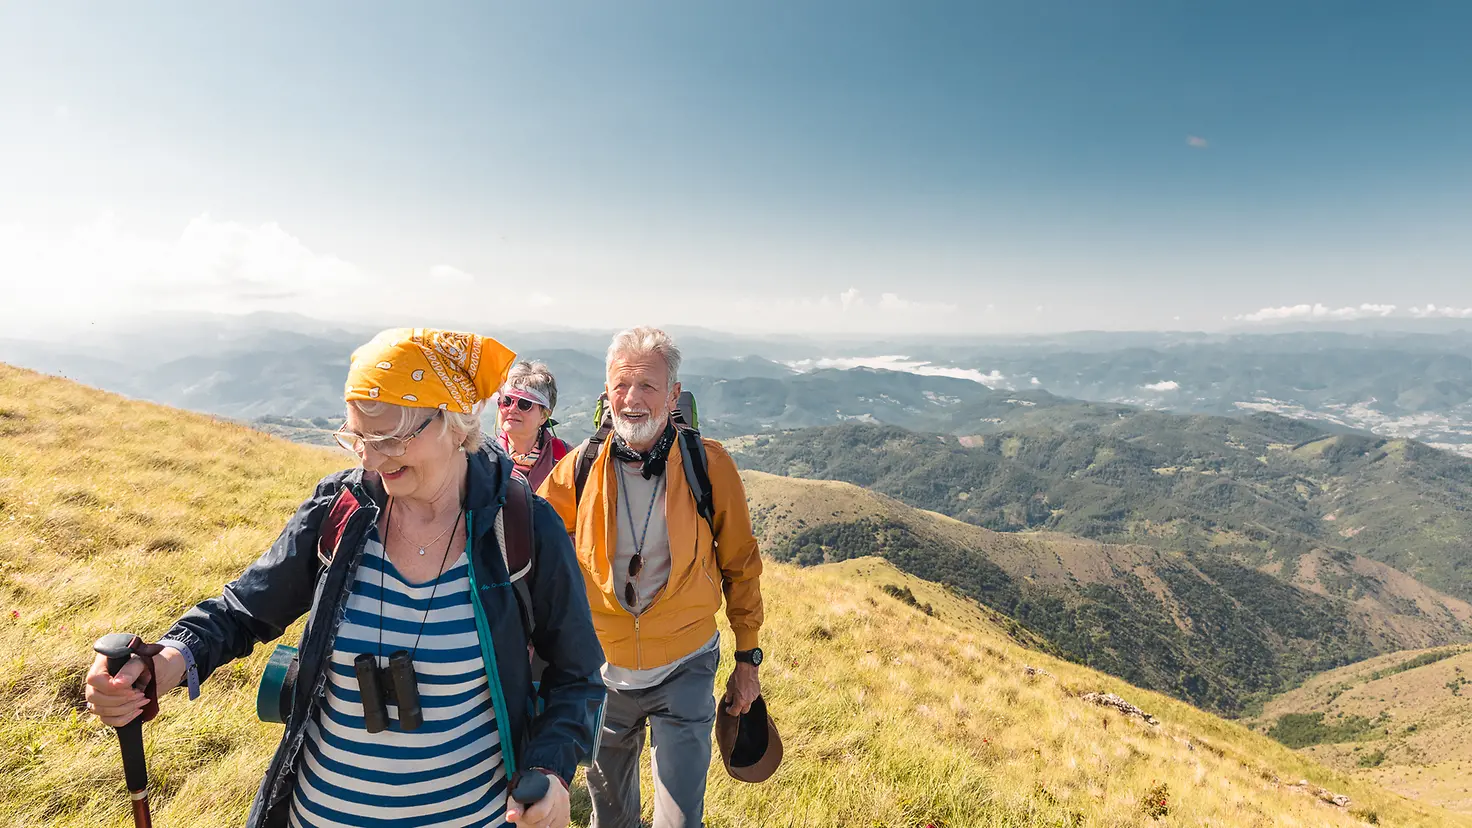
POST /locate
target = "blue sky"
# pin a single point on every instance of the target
(959, 167)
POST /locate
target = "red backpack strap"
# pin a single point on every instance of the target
(330, 533)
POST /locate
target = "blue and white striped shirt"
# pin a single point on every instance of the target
(446, 774)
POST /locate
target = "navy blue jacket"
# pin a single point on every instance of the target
(288, 581)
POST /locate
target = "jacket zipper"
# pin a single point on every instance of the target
(705, 566)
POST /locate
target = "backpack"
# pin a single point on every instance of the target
(692, 453)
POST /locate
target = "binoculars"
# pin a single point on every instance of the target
(380, 685)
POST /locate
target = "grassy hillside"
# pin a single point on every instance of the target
(1211, 631)
(1400, 720)
(118, 515)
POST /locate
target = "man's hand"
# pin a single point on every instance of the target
(553, 811)
(742, 688)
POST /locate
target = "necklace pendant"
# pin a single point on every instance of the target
(421, 551)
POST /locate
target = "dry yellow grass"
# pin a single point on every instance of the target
(117, 515)
(1421, 748)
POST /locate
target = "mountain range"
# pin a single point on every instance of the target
(1276, 493)
(1394, 383)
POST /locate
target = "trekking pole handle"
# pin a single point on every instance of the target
(530, 787)
(118, 648)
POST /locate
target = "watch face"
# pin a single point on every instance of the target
(756, 657)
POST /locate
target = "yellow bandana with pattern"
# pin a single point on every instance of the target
(426, 368)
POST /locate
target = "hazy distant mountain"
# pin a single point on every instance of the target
(1415, 384)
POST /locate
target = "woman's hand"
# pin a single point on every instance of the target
(114, 699)
(553, 811)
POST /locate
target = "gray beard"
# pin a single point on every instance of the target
(637, 433)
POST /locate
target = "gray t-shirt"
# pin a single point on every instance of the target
(637, 498)
(641, 518)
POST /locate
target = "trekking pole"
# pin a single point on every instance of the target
(118, 648)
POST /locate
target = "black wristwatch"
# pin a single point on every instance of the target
(752, 656)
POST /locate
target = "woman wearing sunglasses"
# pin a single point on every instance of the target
(524, 417)
(414, 595)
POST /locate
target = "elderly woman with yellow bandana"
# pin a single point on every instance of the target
(416, 588)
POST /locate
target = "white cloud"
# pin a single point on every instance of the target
(993, 379)
(452, 275)
(1432, 311)
(1197, 142)
(850, 311)
(1163, 385)
(1036, 381)
(102, 270)
(892, 302)
(223, 266)
(1318, 312)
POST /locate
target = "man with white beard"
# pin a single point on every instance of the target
(655, 572)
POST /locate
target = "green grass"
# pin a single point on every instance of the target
(117, 515)
(1299, 730)
(1421, 660)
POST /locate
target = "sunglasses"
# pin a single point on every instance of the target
(387, 446)
(520, 402)
(636, 563)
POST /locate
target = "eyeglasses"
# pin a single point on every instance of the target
(520, 402)
(387, 446)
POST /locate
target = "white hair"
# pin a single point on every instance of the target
(534, 376)
(466, 428)
(644, 341)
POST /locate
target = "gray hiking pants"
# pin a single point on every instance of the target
(680, 713)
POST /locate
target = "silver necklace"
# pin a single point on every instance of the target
(430, 542)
